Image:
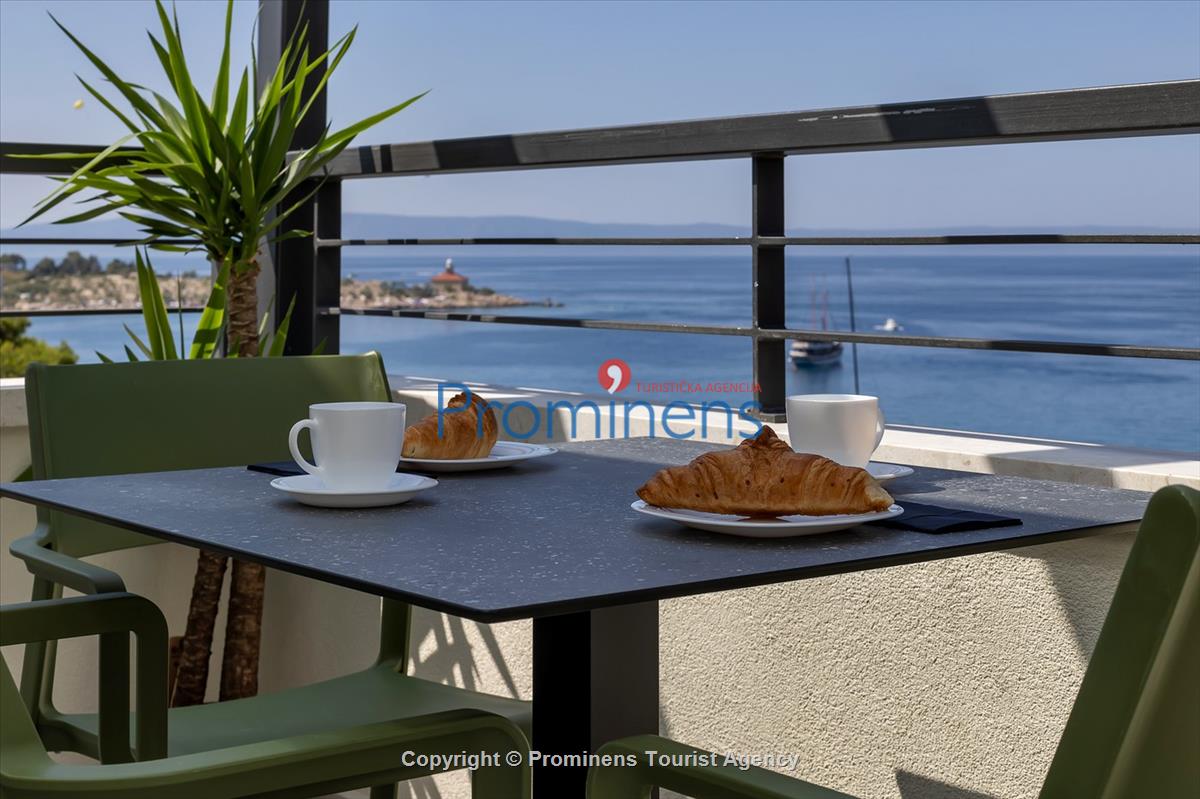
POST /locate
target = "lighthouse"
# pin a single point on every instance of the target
(448, 278)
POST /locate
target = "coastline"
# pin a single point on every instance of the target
(22, 291)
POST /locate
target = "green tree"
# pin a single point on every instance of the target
(76, 263)
(118, 267)
(12, 261)
(17, 350)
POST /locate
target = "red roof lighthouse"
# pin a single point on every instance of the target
(448, 278)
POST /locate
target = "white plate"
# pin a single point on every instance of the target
(309, 489)
(882, 472)
(774, 527)
(504, 453)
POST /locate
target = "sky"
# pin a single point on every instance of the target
(510, 67)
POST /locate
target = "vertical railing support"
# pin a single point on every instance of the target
(326, 288)
(769, 291)
(303, 271)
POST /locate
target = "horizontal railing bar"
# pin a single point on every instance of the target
(1101, 112)
(689, 241)
(746, 241)
(1171, 107)
(12, 164)
(892, 339)
(685, 241)
(997, 238)
(112, 241)
(92, 311)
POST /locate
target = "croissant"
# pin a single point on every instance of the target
(762, 476)
(464, 433)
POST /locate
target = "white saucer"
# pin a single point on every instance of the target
(773, 527)
(309, 489)
(504, 453)
(882, 472)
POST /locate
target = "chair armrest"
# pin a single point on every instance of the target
(84, 577)
(372, 754)
(699, 781)
(112, 617)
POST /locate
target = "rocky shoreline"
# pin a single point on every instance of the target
(22, 291)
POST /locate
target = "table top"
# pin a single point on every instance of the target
(556, 535)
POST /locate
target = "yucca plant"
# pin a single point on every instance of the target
(161, 341)
(157, 343)
(215, 170)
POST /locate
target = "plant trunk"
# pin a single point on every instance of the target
(195, 648)
(243, 629)
(243, 310)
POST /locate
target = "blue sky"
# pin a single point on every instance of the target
(502, 67)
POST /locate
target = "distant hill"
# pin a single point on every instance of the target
(358, 225)
(370, 226)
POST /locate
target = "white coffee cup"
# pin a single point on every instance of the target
(356, 444)
(845, 428)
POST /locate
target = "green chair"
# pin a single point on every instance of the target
(302, 765)
(156, 416)
(1134, 732)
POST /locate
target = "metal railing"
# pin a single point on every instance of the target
(314, 265)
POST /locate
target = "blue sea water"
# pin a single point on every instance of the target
(1134, 298)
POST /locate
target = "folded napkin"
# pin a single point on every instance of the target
(280, 468)
(923, 518)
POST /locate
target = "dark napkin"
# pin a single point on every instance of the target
(923, 518)
(279, 468)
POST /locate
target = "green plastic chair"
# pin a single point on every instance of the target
(1134, 732)
(301, 765)
(156, 416)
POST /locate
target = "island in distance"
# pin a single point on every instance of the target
(81, 282)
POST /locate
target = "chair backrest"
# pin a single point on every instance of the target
(162, 415)
(1135, 727)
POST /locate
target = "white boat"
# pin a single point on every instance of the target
(890, 326)
(816, 353)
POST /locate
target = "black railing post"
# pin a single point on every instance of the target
(310, 275)
(769, 290)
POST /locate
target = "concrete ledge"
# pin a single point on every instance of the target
(12, 402)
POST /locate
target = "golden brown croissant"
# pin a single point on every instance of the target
(762, 476)
(463, 434)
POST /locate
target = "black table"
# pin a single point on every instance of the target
(555, 540)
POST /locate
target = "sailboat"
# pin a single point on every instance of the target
(806, 354)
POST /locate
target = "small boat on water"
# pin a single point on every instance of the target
(890, 326)
(815, 353)
(804, 354)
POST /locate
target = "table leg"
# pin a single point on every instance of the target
(595, 678)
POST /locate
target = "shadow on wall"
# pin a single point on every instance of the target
(418, 789)
(1085, 594)
(914, 786)
(441, 652)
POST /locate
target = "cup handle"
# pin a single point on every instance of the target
(294, 446)
(879, 423)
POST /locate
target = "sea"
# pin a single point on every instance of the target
(1129, 296)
